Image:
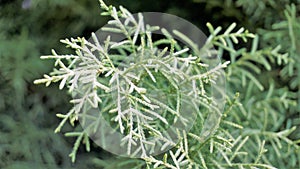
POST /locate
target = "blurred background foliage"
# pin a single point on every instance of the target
(30, 28)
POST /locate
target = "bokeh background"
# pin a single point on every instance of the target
(31, 28)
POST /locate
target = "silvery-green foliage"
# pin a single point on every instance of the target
(98, 77)
(132, 74)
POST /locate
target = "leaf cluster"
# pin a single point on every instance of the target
(249, 134)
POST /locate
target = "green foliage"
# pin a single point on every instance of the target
(252, 133)
(44, 150)
(148, 70)
(259, 127)
(286, 33)
(26, 136)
